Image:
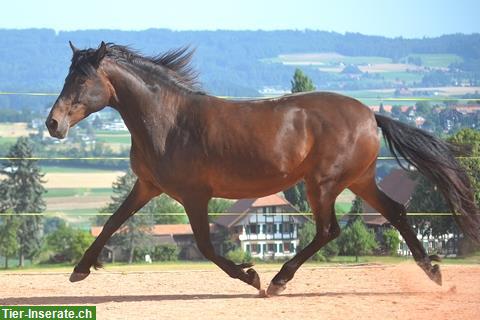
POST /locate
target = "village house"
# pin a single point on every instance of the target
(180, 235)
(265, 227)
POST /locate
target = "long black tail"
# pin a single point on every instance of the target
(435, 159)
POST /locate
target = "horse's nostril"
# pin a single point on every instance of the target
(52, 124)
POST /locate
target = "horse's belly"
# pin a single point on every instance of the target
(253, 185)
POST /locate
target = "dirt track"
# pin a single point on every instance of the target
(375, 292)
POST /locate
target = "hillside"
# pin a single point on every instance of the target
(242, 63)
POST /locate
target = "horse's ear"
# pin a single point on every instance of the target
(101, 51)
(74, 49)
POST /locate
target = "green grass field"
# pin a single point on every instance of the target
(206, 265)
(408, 77)
(437, 60)
(72, 192)
(8, 140)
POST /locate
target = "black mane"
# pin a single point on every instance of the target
(173, 65)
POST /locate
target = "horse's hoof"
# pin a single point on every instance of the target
(436, 275)
(254, 278)
(275, 289)
(262, 293)
(78, 276)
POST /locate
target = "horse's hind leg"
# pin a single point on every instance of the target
(197, 211)
(396, 214)
(322, 200)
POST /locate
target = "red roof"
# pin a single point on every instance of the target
(241, 207)
(269, 201)
(160, 229)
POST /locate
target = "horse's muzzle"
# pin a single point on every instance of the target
(56, 129)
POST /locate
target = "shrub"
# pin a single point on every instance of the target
(166, 252)
(67, 243)
(357, 240)
(163, 252)
(391, 241)
(238, 256)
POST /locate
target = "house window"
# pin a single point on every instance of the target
(264, 228)
(271, 228)
(255, 248)
(271, 247)
(286, 247)
(247, 247)
(287, 227)
(269, 209)
(280, 247)
(264, 248)
(253, 228)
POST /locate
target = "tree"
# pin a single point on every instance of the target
(23, 191)
(297, 196)
(391, 241)
(470, 140)
(217, 206)
(426, 197)
(68, 243)
(8, 236)
(357, 205)
(422, 108)
(381, 109)
(357, 240)
(301, 82)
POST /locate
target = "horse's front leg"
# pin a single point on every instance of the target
(197, 211)
(141, 193)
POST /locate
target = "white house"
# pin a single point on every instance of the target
(265, 227)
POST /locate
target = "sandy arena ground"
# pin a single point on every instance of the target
(361, 292)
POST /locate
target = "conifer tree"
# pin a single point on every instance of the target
(23, 193)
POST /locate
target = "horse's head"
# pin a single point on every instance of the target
(86, 90)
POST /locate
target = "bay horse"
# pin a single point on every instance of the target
(193, 146)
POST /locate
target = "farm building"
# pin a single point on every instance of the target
(180, 235)
(265, 227)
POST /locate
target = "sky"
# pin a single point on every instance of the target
(391, 18)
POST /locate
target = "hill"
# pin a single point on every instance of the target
(239, 63)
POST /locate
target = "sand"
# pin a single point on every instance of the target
(362, 292)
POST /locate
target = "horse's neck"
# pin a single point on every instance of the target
(148, 115)
(152, 112)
